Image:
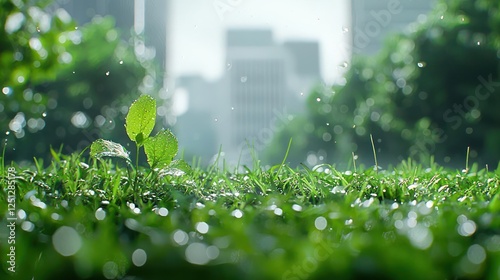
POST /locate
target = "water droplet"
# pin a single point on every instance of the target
(121, 61)
(442, 17)
(74, 72)
(76, 27)
(345, 29)
(421, 64)
(229, 66)
(44, 114)
(301, 94)
(66, 241)
(139, 257)
(38, 28)
(243, 79)
(344, 64)
(478, 43)
(100, 214)
(237, 213)
(202, 227)
(318, 99)
(320, 223)
(107, 73)
(327, 123)
(216, 119)
(7, 133)
(7, 90)
(232, 108)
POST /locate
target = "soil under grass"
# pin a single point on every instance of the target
(81, 219)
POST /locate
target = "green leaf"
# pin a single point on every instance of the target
(176, 168)
(161, 149)
(140, 119)
(495, 203)
(104, 148)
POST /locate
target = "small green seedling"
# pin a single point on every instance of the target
(139, 123)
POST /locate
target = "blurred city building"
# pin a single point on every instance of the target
(373, 20)
(147, 18)
(260, 90)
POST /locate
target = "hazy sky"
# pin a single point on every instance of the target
(197, 35)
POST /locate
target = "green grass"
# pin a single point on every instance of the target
(408, 222)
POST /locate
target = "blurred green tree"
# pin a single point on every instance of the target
(65, 84)
(432, 92)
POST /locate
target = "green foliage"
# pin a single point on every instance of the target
(98, 75)
(160, 149)
(140, 119)
(77, 219)
(429, 93)
(103, 148)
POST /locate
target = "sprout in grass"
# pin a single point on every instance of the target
(159, 149)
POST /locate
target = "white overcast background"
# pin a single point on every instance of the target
(196, 38)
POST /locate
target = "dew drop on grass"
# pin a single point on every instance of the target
(213, 252)
(180, 237)
(476, 254)
(28, 226)
(110, 270)
(237, 213)
(196, 253)
(139, 257)
(100, 214)
(162, 211)
(278, 211)
(320, 223)
(66, 241)
(202, 227)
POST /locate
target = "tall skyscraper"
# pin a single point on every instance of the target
(373, 20)
(259, 90)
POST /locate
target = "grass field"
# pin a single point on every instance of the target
(81, 218)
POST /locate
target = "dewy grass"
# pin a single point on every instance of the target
(93, 219)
